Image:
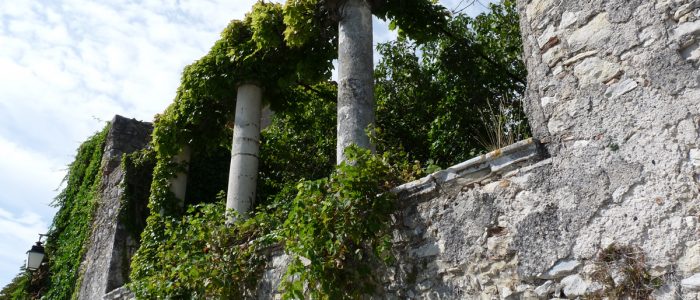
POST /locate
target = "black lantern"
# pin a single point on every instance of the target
(35, 255)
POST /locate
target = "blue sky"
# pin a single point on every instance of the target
(68, 66)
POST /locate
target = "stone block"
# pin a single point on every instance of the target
(594, 70)
(691, 283)
(561, 269)
(594, 32)
(618, 89)
(690, 262)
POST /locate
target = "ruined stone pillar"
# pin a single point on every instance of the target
(244, 154)
(108, 252)
(178, 184)
(355, 76)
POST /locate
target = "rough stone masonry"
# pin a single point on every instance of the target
(110, 248)
(613, 96)
(614, 101)
(613, 91)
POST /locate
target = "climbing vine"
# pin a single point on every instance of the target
(250, 50)
(338, 229)
(70, 230)
(333, 221)
(333, 225)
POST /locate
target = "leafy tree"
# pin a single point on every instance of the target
(355, 84)
(438, 100)
(17, 288)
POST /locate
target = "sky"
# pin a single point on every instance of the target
(68, 66)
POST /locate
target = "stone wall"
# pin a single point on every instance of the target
(613, 91)
(611, 209)
(446, 231)
(121, 293)
(606, 204)
(106, 263)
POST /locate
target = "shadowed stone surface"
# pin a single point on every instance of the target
(109, 250)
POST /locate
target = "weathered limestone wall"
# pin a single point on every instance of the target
(106, 263)
(613, 90)
(121, 293)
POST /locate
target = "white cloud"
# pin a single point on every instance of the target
(17, 231)
(67, 65)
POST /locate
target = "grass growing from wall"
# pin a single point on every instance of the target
(623, 273)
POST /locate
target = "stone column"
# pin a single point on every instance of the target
(178, 184)
(355, 76)
(244, 154)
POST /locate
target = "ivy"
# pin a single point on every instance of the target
(203, 258)
(253, 49)
(332, 220)
(341, 223)
(304, 124)
(138, 174)
(338, 227)
(70, 230)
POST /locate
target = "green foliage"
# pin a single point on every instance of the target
(203, 258)
(207, 175)
(341, 223)
(17, 289)
(138, 174)
(300, 142)
(308, 20)
(338, 222)
(420, 20)
(250, 50)
(70, 230)
(337, 227)
(437, 100)
(27, 285)
(147, 262)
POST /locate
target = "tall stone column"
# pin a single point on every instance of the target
(178, 184)
(355, 76)
(244, 154)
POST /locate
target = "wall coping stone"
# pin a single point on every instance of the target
(495, 163)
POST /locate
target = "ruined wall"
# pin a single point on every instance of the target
(611, 209)
(106, 263)
(606, 205)
(613, 90)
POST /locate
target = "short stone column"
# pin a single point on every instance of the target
(355, 76)
(178, 184)
(243, 173)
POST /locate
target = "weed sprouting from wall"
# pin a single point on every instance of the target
(624, 274)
